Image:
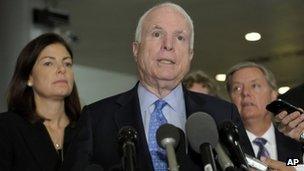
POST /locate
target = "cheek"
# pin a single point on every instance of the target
(142, 62)
(237, 101)
(263, 103)
(70, 77)
(41, 79)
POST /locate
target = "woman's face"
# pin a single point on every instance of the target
(52, 76)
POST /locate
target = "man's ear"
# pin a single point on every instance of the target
(135, 47)
(191, 54)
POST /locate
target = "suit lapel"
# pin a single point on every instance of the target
(280, 146)
(191, 104)
(39, 145)
(287, 147)
(129, 115)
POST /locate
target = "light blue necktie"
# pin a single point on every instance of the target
(157, 119)
(262, 149)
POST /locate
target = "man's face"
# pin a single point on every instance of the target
(164, 52)
(250, 92)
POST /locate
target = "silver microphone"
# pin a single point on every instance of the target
(167, 137)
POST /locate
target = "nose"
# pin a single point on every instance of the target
(168, 43)
(246, 91)
(61, 69)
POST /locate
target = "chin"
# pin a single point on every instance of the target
(63, 93)
(167, 76)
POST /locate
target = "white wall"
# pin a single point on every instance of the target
(17, 29)
(95, 84)
(14, 33)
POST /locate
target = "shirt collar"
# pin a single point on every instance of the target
(269, 135)
(175, 98)
(146, 98)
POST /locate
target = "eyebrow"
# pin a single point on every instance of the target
(157, 27)
(237, 82)
(53, 58)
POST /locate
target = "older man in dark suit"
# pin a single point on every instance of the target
(163, 50)
(251, 87)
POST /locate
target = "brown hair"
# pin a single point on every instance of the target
(201, 78)
(20, 97)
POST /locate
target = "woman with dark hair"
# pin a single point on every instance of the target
(43, 107)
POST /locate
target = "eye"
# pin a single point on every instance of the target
(236, 89)
(156, 34)
(47, 63)
(255, 85)
(68, 64)
(181, 38)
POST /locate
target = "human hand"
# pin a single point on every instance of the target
(291, 125)
(275, 165)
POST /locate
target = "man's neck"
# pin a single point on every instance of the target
(161, 90)
(258, 127)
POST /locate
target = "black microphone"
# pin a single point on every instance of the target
(167, 137)
(127, 137)
(202, 135)
(223, 159)
(93, 167)
(229, 137)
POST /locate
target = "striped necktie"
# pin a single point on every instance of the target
(260, 142)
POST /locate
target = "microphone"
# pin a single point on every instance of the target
(127, 137)
(255, 163)
(229, 136)
(223, 159)
(202, 135)
(167, 137)
(93, 167)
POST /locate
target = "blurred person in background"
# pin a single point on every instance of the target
(198, 81)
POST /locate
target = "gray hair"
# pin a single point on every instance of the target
(267, 73)
(169, 4)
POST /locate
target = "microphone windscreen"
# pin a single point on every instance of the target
(127, 133)
(201, 128)
(228, 128)
(166, 131)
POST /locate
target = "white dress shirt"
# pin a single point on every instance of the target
(271, 144)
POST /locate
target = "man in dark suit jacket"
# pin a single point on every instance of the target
(251, 87)
(163, 50)
(107, 116)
